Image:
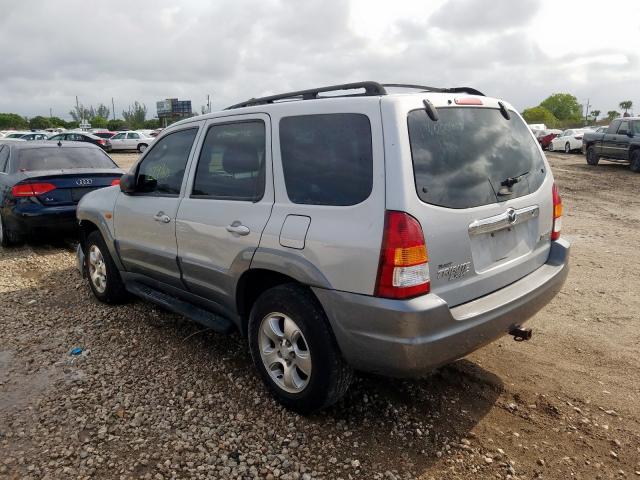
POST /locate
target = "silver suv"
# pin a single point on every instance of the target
(384, 228)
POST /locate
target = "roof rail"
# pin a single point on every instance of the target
(469, 90)
(370, 89)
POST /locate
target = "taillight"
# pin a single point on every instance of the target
(468, 101)
(31, 189)
(115, 182)
(404, 269)
(102, 141)
(557, 214)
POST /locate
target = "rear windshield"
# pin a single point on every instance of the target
(54, 158)
(471, 157)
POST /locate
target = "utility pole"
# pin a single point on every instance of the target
(113, 108)
(50, 113)
(586, 112)
(208, 103)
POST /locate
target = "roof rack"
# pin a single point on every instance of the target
(469, 90)
(370, 89)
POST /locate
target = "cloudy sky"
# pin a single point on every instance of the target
(147, 50)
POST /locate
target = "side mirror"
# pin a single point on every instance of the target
(127, 183)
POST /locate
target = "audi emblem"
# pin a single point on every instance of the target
(84, 181)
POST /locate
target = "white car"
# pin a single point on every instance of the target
(16, 133)
(131, 140)
(567, 141)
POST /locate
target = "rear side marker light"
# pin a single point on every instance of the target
(404, 269)
(115, 182)
(557, 214)
(468, 101)
(31, 189)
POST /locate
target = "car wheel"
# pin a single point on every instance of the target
(550, 147)
(567, 148)
(294, 350)
(635, 161)
(592, 156)
(8, 238)
(142, 147)
(103, 275)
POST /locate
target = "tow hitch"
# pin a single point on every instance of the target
(521, 334)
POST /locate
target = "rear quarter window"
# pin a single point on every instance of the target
(465, 158)
(327, 158)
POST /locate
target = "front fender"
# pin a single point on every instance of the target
(97, 208)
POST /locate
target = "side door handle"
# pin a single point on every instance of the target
(162, 217)
(237, 228)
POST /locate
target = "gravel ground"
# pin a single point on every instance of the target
(153, 396)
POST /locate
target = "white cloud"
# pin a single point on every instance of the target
(148, 50)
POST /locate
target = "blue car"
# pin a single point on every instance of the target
(41, 184)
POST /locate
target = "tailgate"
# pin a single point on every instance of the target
(483, 196)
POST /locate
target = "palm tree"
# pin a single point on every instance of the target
(626, 105)
(611, 114)
(594, 114)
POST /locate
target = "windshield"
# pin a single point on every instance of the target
(472, 157)
(33, 159)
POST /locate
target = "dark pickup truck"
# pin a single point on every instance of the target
(620, 143)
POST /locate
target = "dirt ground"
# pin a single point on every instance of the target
(154, 396)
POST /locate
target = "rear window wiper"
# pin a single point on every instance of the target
(507, 183)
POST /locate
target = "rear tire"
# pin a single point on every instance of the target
(8, 238)
(104, 277)
(635, 161)
(142, 147)
(567, 148)
(550, 147)
(592, 156)
(294, 350)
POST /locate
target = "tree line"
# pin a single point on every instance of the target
(562, 110)
(135, 117)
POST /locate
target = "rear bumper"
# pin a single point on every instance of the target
(407, 338)
(27, 219)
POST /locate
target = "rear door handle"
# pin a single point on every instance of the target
(162, 217)
(237, 228)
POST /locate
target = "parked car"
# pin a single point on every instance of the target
(545, 137)
(104, 134)
(130, 140)
(601, 129)
(620, 143)
(103, 143)
(41, 184)
(333, 243)
(35, 136)
(16, 134)
(567, 141)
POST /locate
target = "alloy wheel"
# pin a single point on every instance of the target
(285, 352)
(97, 269)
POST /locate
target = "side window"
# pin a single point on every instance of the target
(231, 164)
(624, 128)
(57, 137)
(133, 135)
(327, 159)
(118, 136)
(161, 171)
(4, 158)
(636, 127)
(613, 128)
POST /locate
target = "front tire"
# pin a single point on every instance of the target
(142, 147)
(104, 277)
(294, 350)
(567, 148)
(592, 156)
(550, 147)
(635, 161)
